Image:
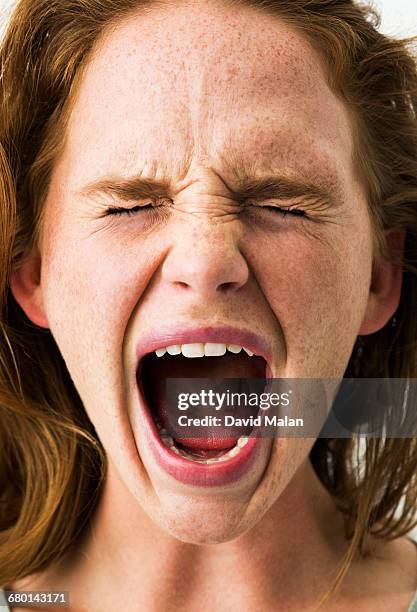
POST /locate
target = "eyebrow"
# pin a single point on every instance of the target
(130, 188)
(281, 186)
(274, 185)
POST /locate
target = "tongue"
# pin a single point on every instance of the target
(211, 439)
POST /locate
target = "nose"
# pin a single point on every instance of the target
(208, 262)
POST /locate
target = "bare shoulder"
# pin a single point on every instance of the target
(383, 581)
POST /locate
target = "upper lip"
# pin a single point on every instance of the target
(224, 334)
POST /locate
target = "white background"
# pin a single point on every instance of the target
(399, 17)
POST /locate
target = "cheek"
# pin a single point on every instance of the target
(91, 289)
(317, 290)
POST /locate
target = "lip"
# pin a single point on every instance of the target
(198, 474)
(183, 470)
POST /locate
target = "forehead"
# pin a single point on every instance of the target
(202, 82)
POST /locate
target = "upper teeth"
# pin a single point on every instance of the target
(201, 349)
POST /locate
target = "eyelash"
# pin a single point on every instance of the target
(128, 211)
(295, 212)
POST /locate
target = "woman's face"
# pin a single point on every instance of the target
(201, 99)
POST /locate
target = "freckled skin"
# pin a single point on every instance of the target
(185, 102)
(181, 93)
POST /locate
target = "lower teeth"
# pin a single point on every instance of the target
(170, 444)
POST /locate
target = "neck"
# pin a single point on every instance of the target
(288, 558)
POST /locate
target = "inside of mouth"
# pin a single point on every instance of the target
(212, 443)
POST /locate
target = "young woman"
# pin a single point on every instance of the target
(202, 189)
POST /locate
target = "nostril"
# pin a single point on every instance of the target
(222, 287)
(230, 286)
(182, 284)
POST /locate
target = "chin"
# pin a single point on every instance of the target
(204, 521)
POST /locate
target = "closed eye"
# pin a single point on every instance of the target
(116, 210)
(296, 212)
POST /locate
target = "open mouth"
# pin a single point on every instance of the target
(213, 444)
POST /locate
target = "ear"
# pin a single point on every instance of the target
(385, 290)
(25, 285)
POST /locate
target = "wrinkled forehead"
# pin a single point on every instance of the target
(201, 80)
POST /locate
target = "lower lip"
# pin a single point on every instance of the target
(193, 473)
